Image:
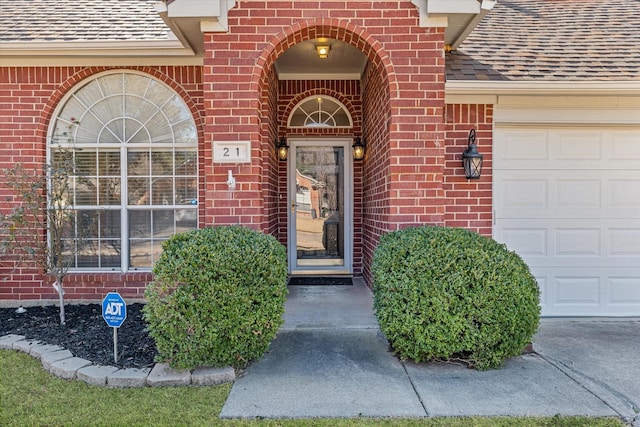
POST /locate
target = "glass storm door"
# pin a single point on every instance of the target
(320, 207)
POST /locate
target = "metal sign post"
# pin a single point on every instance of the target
(114, 312)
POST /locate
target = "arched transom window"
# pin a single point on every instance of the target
(133, 143)
(318, 112)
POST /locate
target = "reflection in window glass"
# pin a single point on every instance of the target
(126, 132)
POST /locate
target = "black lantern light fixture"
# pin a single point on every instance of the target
(358, 149)
(471, 159)
(282, 149)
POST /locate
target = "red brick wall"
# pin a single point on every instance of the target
(28, 98)
(411, 174)
(469, 203)
(402, 176)
(376, 164)
(271, 166)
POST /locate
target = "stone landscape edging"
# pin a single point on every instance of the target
(61, 363)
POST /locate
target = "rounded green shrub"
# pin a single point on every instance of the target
(449, 293)
(217, 297)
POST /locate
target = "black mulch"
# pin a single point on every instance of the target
(85, 334)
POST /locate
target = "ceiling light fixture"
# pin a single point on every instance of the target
(323, 50)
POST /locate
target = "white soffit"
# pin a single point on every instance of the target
(459, 17)
(188, 19)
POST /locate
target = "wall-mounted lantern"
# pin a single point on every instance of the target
(282, 149)
(358, 149)
(471, 159)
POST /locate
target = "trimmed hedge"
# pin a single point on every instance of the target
(217, 297)
(448, 293)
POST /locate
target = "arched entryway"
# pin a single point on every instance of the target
(355, 76)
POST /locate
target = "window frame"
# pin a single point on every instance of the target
(300, 106)
(123, 148)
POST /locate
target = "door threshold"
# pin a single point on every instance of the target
(320, 281)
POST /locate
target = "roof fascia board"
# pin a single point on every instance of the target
(212, 14)
(485, 7)
(456, 90)
(461, 15)
(189, 19)
(166, 52)
(87, 52)
(193, 8)
(163, 11)
(452, 6)
(27, 48)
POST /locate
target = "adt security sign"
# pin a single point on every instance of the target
(114, 309)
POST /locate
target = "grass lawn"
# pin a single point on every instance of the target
(29, 396)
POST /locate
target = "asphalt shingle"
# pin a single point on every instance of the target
(518, 40)
(66, 20)
(552, 40)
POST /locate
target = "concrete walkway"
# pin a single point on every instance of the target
(329, 361)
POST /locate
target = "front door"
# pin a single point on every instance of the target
(320, 207)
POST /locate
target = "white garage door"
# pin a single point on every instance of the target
(567, 199)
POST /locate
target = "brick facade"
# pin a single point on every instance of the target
(468, 203)
(411, 174)
(28, 99)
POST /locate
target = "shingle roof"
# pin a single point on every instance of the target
(552, 40)
(78, 20)
(518, 40)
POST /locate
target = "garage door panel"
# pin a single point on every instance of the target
(623, 290)
(583, 290)
(625, 193)
(523, 193)
(578, 193)
(624, 241)
(622, 146)
(569, 147)
(568, 201)
(528, 242)
(577, 243)
(525, 145)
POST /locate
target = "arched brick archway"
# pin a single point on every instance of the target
(372, 120)
(402, 119)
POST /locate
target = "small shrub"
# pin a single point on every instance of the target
(217, 297)
(448, 293)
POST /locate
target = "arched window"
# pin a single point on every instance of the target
(133, 143)
(318, 112)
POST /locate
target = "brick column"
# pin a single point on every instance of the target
(231, 105)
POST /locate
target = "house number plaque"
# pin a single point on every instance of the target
(232, 152)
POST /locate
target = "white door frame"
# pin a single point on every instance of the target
(347, 268)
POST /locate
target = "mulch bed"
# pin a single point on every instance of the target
(85, 334)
